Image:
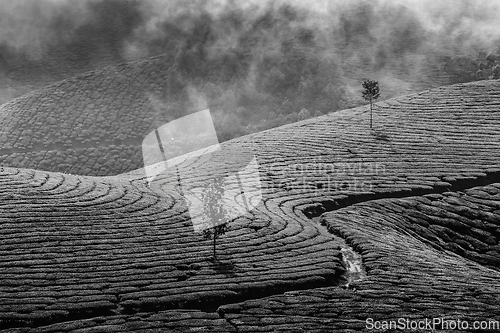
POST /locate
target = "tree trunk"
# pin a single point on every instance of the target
(371, 113)
(179, 185)
(215, 257)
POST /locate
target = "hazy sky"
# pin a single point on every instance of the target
(42, 41)
(34, 26)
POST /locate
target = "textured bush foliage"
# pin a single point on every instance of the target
(90, 253)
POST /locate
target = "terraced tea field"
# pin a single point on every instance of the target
(417, 199)
(94, 123)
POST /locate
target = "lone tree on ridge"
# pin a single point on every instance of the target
(215, 212)
(370, 93)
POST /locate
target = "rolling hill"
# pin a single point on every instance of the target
(94, 123)
(91, 124)
(417, 200)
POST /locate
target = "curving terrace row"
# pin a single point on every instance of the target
(81, 246)
(413, 272)
(110, 254)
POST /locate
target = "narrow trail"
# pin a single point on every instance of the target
(352, 260)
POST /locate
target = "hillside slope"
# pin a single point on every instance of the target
(91, 124)
(94, 123)
(418, 199)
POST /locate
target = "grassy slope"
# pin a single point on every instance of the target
(83, 247)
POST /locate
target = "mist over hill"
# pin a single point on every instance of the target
(262, 56)
(255, 65)
(348, 224)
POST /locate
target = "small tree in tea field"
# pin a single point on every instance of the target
(371, 92)
(215, 212)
